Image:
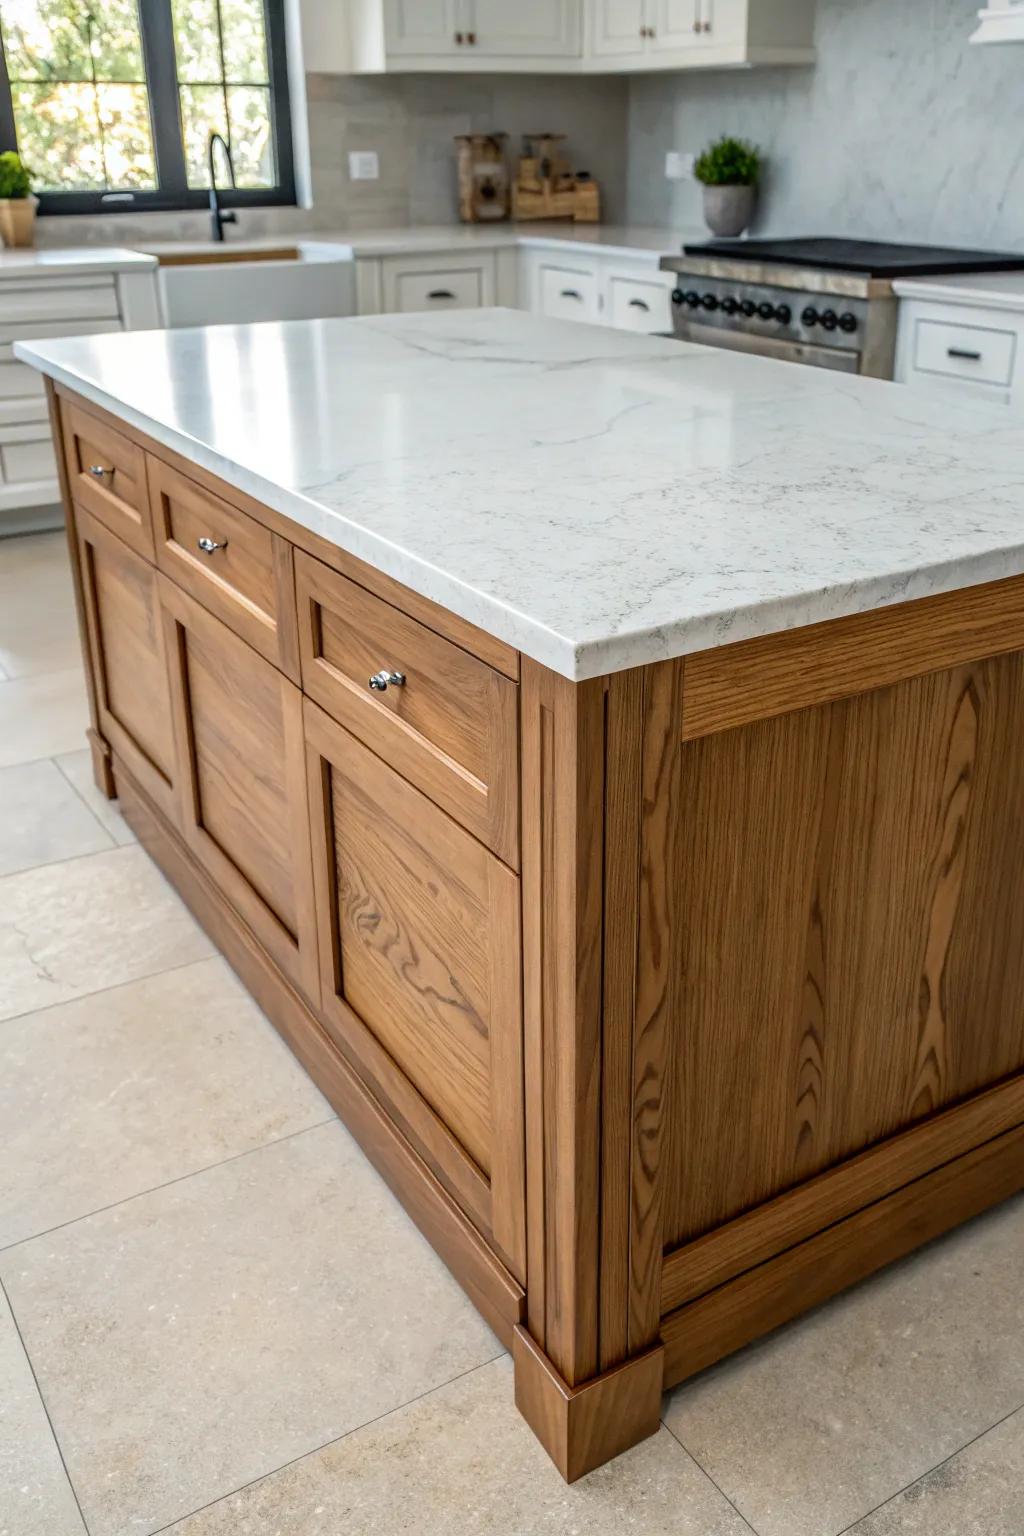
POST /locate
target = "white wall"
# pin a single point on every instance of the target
(900, 131)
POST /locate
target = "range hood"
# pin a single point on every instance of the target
(1001, 22)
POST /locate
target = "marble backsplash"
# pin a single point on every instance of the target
(900, 131)
(410, 120)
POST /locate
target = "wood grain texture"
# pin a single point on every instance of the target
(488, 1284)
(762, 1298)
(242, 780)
(118, 498)
(583, 1427)
(798, 1214)
(852, 957)
(127, 659)
(735, 684)
(451, 729)
(419, 937)
(247, 582)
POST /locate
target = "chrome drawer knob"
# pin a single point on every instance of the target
(99, 470)
(380, 680)
(208, 546)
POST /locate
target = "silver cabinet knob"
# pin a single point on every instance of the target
(99, 470)
(380, 680)
(208, 546)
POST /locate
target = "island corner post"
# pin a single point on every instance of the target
(769, 901)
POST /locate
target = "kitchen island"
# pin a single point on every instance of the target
(599, 756)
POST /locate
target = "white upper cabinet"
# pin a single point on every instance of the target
(572, 36)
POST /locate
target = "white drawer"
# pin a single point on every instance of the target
(30, 459)
(639, 304)
(982, 354)
(449, 280)
(568, 293)
(57, 300)
(17, 379)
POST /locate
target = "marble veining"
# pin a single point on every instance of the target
(597, 499)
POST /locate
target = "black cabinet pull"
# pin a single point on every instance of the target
(970, 357)
(440, 293)
(639, 304)
(571, 293)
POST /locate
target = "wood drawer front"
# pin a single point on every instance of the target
(420, 972)
(107, 474)
(981, 353)
(244, 813)
(451, 728)
(129, 664)
(247, 580)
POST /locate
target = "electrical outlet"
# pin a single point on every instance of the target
(679, 165)
(363, 165)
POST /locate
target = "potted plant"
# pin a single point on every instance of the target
(17, 204)
(729, 171)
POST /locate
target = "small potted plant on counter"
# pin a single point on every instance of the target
(17, 204)
(729, 170)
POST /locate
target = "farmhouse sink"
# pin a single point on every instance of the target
(230, 286)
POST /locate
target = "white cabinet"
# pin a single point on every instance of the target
(962, 349)
(685, 34)
(640, 304)
(414, 27)
(464, 35)
(567, 290)
(528, 28)
(421, 281)
(628, 292)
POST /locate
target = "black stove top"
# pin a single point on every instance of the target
(876, 258)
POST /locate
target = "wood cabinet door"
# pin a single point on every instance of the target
(244, 814)
(420, 973)
(129, 663)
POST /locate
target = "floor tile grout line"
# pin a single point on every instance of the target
(78, 794)
(335, 1440)
(699, 1465)
(847, 1529)
(153, 1189)
(115, 986)
(44, 1406)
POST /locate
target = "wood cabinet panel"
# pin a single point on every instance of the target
(419, 945)
(107, 474)
(868, 850)
(246, 578)
(129, 666)
(450, 728)
(244, 810)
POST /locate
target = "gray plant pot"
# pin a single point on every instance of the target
(728, 210)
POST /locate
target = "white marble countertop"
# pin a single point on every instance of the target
(70, 261)
(985, 290)
(597, 499)
(604, 239)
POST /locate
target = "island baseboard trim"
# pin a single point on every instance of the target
(582, 1427)
(695, 1268)
(493, 1291)
(761, 1299)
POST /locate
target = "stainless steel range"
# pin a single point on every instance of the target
(825, 302)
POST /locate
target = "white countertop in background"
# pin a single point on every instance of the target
(76, 261)
(987, 290)
(597, 499)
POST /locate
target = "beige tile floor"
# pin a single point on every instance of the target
(216, 1321)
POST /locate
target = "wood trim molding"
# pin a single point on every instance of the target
(493, 1291)
(839, 1192)
(582, 1427)
(771, 675)
(793, 1282)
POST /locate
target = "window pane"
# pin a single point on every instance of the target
(245, 41)
(60, 40)
(197, 41)
(202, 113)
(79, 137)
(252, 145)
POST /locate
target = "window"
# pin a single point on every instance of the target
(111, 103)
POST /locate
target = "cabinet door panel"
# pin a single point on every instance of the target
(420, 26)
(419, 945)
(541, 27)
(129, 663)
(618, 27)
(244, 809)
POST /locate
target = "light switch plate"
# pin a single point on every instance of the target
(363, 165)
(679, 165)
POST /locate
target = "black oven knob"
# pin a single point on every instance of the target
(678, 296)
(848, 322)
(829, 319)
(766, 311)
(691, 299)
(748, 309)
(810, 317)
(783, 314)
(709, 301)
(729, 305)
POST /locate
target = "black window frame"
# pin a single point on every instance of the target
(174, 194)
